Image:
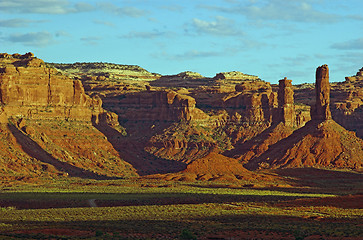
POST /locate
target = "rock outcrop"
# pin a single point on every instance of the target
(252, 101)
(155, 106)
(320, 143)
(28, 88)
(185, 75)
(285, 98)
(215, 165)
(249, 86)
(347, 108)
(283, 121)
(346, 101)
(322, 91)
(357, 77)
(235, 75)
(99, 71)
(188, 79)
(46, 125)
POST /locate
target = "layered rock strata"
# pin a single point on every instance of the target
(286, 102)
(105, 71)
(28, 88)
(235, 75)
(284, 119)
(357, 77)
(155, 106)
(322, 91)
(253, 102)
(320, 143)
(348, 103)
(46, 125)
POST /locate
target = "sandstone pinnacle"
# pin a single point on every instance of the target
(286, 102)
(322, 89)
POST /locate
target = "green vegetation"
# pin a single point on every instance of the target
(195, 133)
(95, 65)
(129, 208)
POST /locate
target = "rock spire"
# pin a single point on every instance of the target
(286, 102)
(322, 90)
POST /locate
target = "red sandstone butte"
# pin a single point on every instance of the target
(31, 89)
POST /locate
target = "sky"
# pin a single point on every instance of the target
(272, 39)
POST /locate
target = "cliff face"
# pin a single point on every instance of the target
(251, 107)
(286, 109)
(28, 88)
(321, 111)
(283, 120)
(347, 107)
(255, 101)
(155, 106)
(346, 101)
(320, 143)
(233, 113)
(235, 75)
(105, 71)
(46, 125)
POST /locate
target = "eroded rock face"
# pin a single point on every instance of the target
(317, 144)
(357, 77)
(249, 86)
(347, 103)
(99, 71)
(235, 75)
(28, 88)
(286, 102)
(156, 106)
(320, 143)
(252, 101)
(322, 90)
(35, 139)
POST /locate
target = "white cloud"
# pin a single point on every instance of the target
(62, 34)
(355, 44)
(297, 60)
(173, 8)
(43, 6)
(83, 7)
(105, 23)
(221, 27)
(39, 39)
(147, 35)
(122, 11)
(91, 40)
(279, 10)
(17, 23)
(188, 55)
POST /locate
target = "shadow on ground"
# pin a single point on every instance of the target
(35, 151)
(131, 150)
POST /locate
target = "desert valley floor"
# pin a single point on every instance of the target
(108, 151)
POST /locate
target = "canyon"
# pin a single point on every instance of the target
(106, 121)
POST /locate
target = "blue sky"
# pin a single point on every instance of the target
(268, 38)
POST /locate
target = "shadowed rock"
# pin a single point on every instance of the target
(322, 90)
(286, 102)
(320, 143)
